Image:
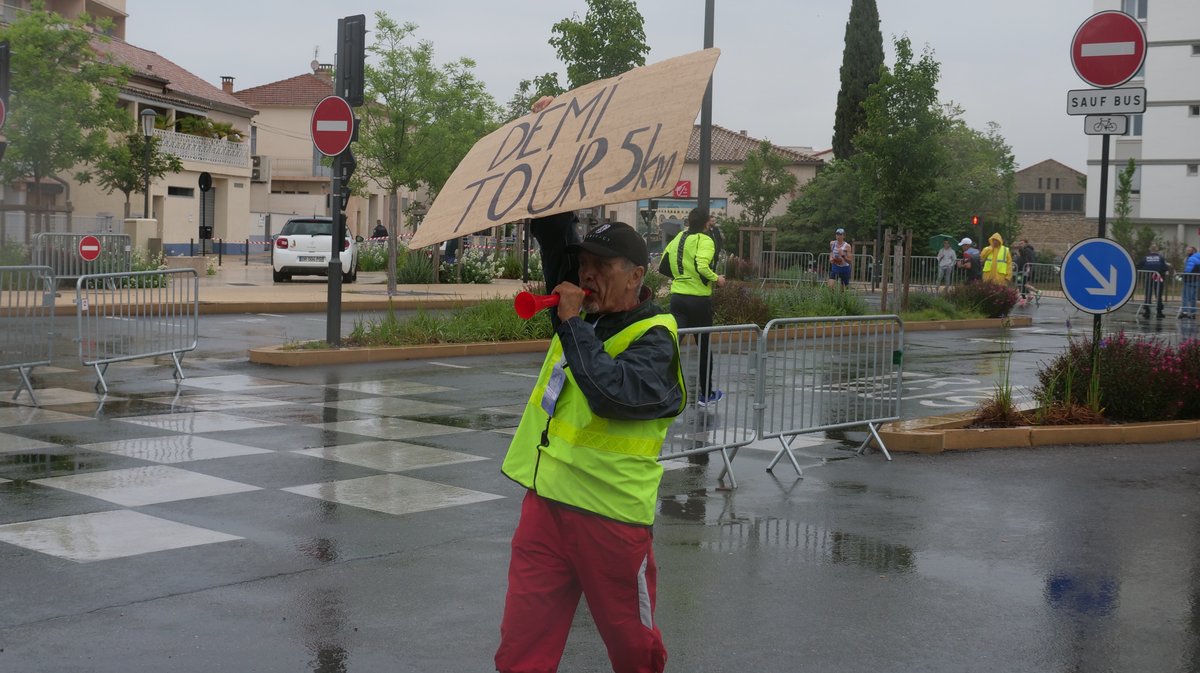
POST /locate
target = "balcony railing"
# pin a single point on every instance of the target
(207, 150)
(296, 167)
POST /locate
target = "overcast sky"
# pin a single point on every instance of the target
(1006, 62)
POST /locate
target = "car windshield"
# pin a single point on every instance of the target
(306, 228)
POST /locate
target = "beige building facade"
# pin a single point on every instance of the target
(1050, 203)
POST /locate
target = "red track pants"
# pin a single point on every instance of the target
(558, 553)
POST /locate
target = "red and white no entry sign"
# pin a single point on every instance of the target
(89, 248)
(1109, 48)
(332, 126)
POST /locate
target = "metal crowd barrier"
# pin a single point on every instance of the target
(924, 272)
(705, 427)
(136, 315)
(26, 321)
(60, 252)
(860, 268)
(796, 376)
(787, 268)
(1045, 279)
(826, 374)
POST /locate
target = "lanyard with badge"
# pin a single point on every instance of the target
(558, 378)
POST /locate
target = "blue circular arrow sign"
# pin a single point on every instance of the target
(1098, 275)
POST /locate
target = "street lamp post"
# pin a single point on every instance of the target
(147, 133)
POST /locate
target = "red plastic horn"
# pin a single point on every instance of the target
(527, 304)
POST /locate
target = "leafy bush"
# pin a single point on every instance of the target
(739, 304)
(473, 266)
(991, 299)
(737, 268)
(510, 267)
(1140, 379)
(14, 254)
(927, 306)
(814, 300)
(654, 281)
(414, 267)
(373, 256)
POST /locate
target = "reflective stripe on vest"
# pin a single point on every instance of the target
(1001, 263)
(601, 465)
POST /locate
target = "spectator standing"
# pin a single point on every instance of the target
(997, 261)
(689, 259)
(970, 263)
(1024, 256)
(1191, 283)
(586, 451)
(380, 230)
(947, 259)
(1154, 267)
(841, 256)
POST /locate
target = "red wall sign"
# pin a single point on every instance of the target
(682, 190)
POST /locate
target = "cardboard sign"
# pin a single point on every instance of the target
(611, 141)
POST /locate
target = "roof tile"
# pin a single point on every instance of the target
(729, 147)
(303, 91)
(176, 79)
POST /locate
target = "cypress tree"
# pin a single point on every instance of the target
(862, 58)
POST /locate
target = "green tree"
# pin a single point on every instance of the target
(529, 91)
(122, 166)
(900, 144)
(862, 58)
(420, 119)
(1135, 239)
(64, 103)
(976, 178)
(609, 40)
(839, 196)
(762, 179)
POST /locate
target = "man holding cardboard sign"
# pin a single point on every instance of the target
(587, 446)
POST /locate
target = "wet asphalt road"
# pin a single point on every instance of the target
(1059, 559)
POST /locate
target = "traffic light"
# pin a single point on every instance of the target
(974, 220)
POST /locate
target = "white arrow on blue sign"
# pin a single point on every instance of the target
(1098, 275)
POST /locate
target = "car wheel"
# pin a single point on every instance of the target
(279, 276)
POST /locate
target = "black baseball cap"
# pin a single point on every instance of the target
(615, 239)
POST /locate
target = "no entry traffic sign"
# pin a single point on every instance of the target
(89, 248)
(1109, 48)
(332, 126)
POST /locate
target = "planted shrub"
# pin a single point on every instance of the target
(1140, 379)
(476, 267)
(373, 256)
(815, 300)
(990, 299)
(738, 304)
(737, 268)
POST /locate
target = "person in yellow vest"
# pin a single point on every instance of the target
(997, 261)
(586, 451)
(689, 260)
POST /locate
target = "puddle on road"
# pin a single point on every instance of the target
(471, 420)
(29, 466)
(814, 544)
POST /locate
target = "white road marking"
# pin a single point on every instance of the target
(447, 364)
(527, 376)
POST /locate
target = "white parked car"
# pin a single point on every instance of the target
(302, 249)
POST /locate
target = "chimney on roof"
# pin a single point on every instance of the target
(323, 70)
(743, 132)
(227, 83)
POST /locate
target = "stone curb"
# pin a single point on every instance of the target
(278, 355)
(937, 434)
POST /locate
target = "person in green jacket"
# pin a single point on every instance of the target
(691, 258)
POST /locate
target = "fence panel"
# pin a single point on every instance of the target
(829, 373)
(924, 273)
(136, 315)
(1044, 279)
(26, 321)
(60, 252)
(708, 425)
(790, 268)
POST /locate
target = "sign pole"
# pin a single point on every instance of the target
(333, 319)
(1101, 232)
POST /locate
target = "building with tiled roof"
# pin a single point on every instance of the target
(179, 100)
(290, 176)
(729, 150)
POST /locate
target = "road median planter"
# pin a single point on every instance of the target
(951, 433)
(302, 357)
(299, 357)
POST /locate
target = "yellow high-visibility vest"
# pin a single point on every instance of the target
(601, 465)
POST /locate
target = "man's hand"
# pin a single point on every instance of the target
(541, 103)
(720, 281)
(570, 300)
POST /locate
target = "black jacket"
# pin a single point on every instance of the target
(640, 383)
